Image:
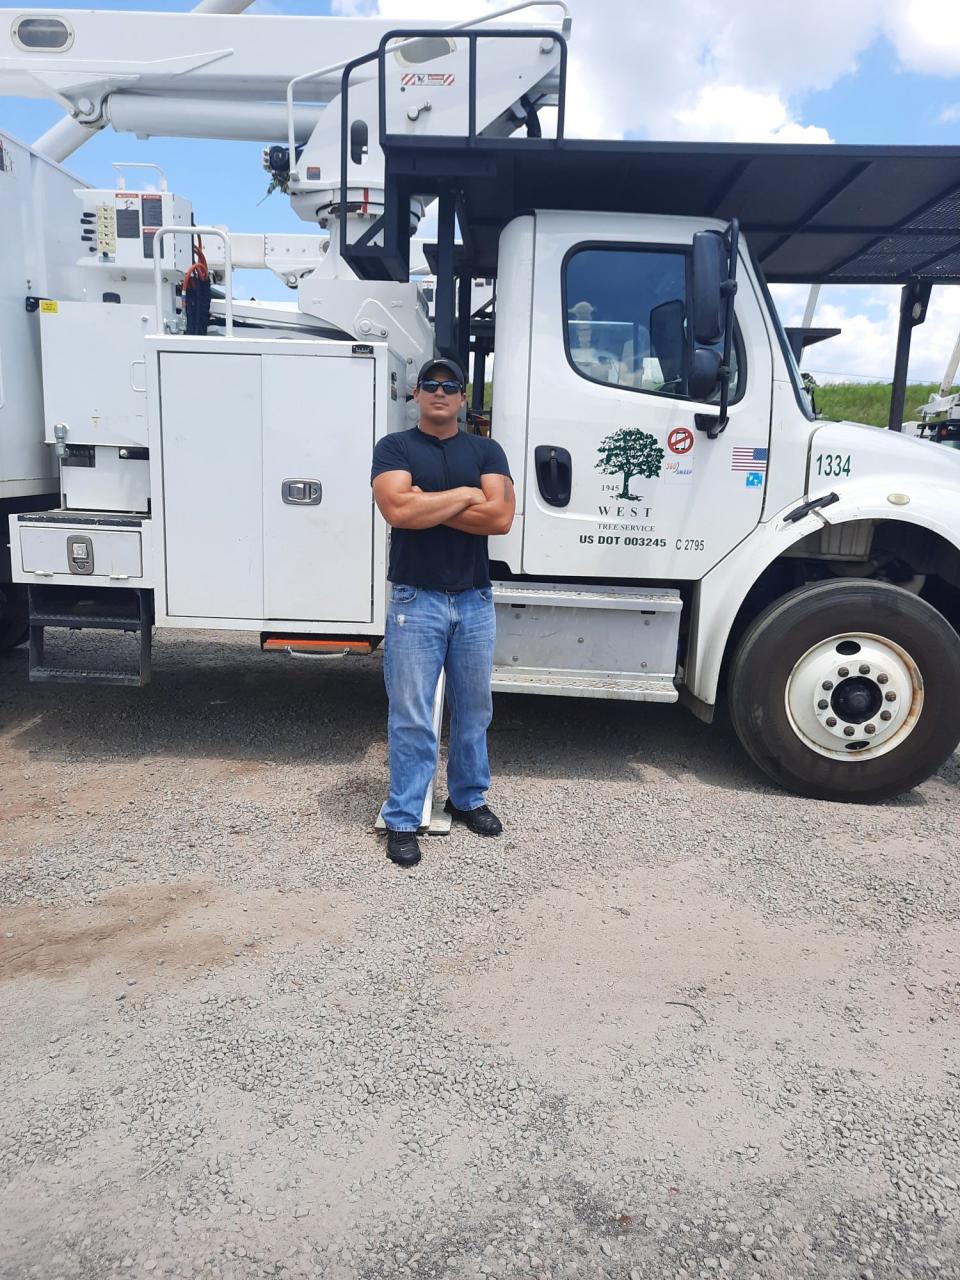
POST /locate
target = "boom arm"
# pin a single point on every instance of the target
(212, 73)
(90, 60)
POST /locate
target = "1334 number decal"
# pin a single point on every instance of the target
(833, 464)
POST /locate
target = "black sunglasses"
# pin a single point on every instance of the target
(432, 384)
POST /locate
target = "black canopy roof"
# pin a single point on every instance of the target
(812, 213)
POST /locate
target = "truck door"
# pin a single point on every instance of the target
(620, 483)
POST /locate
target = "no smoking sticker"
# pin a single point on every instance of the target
(680, 440)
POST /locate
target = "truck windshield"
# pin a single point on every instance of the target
(803, 398)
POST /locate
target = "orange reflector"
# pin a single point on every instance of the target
(303, 644)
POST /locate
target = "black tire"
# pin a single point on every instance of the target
(13, 616)
(776, 641)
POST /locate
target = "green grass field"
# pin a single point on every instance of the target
(869, 401)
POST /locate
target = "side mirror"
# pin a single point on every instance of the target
(704, 373)
(714, 287)
(709, 275)
(668, 340)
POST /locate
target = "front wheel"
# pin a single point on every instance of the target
(848, 691)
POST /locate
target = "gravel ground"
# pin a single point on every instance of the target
(674, 1024)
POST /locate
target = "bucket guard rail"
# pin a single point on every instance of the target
(390, 259)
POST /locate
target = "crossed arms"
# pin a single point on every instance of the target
(486, 510)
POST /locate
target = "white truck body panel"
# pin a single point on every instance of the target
(93, 372)
(116, 483)
(39, 248)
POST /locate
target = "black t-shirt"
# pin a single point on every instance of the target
(440, 558)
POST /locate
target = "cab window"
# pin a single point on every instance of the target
(625, 318)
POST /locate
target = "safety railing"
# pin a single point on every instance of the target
(396, 39)
(120, 165)
(472, 36)
(159, 236)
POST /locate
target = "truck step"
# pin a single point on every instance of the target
(572, 684)
(78, 675)
(590, 641)
(563, 596)
(89, 609)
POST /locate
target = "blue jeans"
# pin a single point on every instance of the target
(427, 631)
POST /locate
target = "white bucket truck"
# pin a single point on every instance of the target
(684, 524)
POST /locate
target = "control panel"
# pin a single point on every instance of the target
(118, 228)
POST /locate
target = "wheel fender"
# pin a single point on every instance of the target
(935, 507)
(723, 590)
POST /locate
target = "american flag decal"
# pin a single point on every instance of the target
(434, 79)
(748, 459)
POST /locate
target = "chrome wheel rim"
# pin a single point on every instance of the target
(854, 696)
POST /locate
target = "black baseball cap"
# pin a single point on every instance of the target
(442, 362)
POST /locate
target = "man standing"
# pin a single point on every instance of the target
(442, 491)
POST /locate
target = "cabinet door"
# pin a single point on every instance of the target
(93, 372)
(212, 484)
(318, 423)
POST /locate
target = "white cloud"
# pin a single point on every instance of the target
(867, 318)
(693, 69)
(926, 35)
(950, 115)
(643, 69)
(733, 114)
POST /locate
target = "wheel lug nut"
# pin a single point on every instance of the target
(827, 684)
(822, 704)
(882, 678)
(849, 731)
(890, 696)
(864, 669)
(869, 728)
(843, 671)
(831, 722)
(886, 715)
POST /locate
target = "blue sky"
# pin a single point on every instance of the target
(857, 71)
(885, 105)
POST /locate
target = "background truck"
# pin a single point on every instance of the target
(684, 523)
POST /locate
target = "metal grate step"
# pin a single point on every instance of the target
(644, 599)
(89, 609)
(75, 675)
(572, 685)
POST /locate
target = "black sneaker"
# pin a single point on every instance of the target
(482, 821)
(403, 848)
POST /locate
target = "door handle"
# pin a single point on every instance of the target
(554, 470)
(301, 493)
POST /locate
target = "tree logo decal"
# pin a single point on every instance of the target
(630, 452)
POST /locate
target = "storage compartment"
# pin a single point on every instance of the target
(81, 550)
(93, 372)
(104, 480)
(268, 513)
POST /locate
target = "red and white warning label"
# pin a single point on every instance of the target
(680, 440)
